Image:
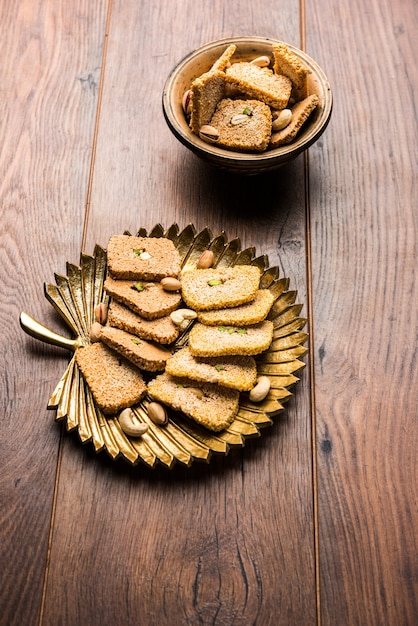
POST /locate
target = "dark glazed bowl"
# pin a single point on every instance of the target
(198, 62)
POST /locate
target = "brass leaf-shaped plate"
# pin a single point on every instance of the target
(75, 297)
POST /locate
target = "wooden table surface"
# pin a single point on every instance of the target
(316, 521)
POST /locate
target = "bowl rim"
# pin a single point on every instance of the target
(222, 155)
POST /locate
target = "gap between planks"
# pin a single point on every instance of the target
(83, 240)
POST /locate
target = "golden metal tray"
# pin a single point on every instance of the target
(75, 297)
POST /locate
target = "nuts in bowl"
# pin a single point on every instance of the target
(248, 104)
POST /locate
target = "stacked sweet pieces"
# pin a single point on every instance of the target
(136, 333)
(250, 106)
(220, 356)
(138, 321)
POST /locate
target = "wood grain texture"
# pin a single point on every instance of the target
(46, 127)
(220, 544)
(142, 174)
(86, 540)
(364, 267)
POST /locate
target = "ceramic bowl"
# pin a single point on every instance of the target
(198, 62)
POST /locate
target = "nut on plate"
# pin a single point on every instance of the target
(157, 413)
(95, 331)
(100, 313)
(261, 389)
(205, 260)
(130, 424)
(170, 284)
(181, 315)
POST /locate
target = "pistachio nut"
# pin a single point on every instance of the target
(157, 413)
(186, 102)
(205, 260)
(100, 313)
(209, 133)
(169, 283)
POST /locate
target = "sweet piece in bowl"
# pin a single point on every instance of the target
(243, 125)
(198, 97)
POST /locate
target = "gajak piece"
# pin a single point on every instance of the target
(114, 382)
(300, 113)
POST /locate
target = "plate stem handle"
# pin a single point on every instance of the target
(38, 331)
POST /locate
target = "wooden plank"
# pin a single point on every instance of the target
(364, 227)
(48, 103)
(142, 174)
(231, 542)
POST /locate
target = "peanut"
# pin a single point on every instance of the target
(261, 389)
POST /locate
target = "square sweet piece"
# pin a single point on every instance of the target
(147, 356)
(243, 315)
(259, 83)
(235, 372)
(243, 125)
(288, 64)
(147, 299)
(217, 288)
(163, 330)
(229, 340)
(142, 258)
(114, 382)
(207, 91)
(210, 405)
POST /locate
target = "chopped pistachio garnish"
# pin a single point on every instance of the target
(247, 111)
(136, 342)
(231, 330)
(138, 286)
(142, 253)
(219, 368)
(214, 281)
